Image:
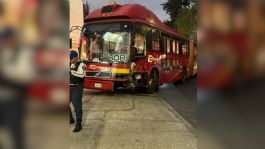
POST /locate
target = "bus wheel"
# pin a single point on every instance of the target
(184, 76)
(153, 83)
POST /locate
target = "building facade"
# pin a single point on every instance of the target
(76, 19)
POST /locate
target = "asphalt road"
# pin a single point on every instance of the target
(183, 98)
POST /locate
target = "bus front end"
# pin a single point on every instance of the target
(106, 47)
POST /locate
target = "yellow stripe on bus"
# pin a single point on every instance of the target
(120, 70)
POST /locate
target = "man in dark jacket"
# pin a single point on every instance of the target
(77, 74)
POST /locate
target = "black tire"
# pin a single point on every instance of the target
(154, 86)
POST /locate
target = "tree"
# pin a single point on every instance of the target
(187, 23)
(183, 16)
(168, 23)
(172, 8)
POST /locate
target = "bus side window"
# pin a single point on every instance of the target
(166, 49)
(168, 44)
(165, 43)
(175, 64)
(185, 49)
(164, 63)
(163, 49)
(168, 52)
(180, 48)
(148, 35)
(173, 46)
(177, 47)
(140, 44)
(155, 40)
(168, 63)
(174, 51)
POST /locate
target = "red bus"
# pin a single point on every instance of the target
(128, 47)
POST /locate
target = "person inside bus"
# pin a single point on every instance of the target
(139, 44)
(135, 54)
(95, 47)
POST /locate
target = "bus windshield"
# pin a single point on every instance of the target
(109, 43)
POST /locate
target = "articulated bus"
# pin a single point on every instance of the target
(128, 47)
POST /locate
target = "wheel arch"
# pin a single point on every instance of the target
(154, 69)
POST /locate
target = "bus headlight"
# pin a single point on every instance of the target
(138, 76)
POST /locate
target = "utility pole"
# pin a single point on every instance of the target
(85, 9)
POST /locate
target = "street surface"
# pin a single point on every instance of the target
(119, 120)
(183, 98)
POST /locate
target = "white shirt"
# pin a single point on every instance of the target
(80, 72)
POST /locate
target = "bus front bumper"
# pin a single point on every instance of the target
(98, 84)
(101, 84)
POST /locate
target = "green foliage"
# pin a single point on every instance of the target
(168, 23)
(186, 23)
(172, 8)
(183, 16)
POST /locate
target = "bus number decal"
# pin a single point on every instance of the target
(117, 57)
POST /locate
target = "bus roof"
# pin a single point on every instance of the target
(133, 12)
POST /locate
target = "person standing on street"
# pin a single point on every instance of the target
(77, 74)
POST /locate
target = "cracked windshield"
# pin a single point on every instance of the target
(109, 43)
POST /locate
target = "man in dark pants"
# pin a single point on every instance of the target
(77, 74)
(13, 84)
